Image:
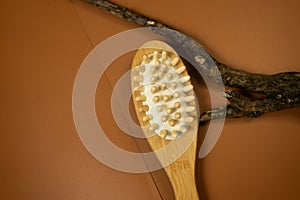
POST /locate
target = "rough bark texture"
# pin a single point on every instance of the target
(280, 90)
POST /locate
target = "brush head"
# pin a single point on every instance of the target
(164, 95)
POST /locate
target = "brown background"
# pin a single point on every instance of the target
(42, 46)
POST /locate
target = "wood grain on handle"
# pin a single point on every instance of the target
(181, 172)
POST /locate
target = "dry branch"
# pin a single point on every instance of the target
(280, 90)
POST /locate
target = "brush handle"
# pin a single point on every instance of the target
(182, 175)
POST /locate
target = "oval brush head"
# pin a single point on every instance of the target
(163, 94)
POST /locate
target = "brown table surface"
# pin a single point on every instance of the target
(43, 44)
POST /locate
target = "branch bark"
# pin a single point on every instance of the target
(280, 90)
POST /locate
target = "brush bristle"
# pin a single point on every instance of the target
(166, 95)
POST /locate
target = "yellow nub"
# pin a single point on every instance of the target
(156, 99)
(172, 122)
(169, 110)
(163, 133)
(160, 74)
(189, 119)
(176, 95)
(157, 63)
(188, 88)
(174, 85)
(155, 55)
(153, 79)
(140, 89)
(190, 109)
(170, 76)
(152, 70)
(183, 129)
(164, 118)
(159, 108)
(163, 86)
(164, 68)
(177, 115)
(154, 89)
(181, 69)
(142, 68)
(147, 118)
(167, 98)
(138, 78)
(177, 105)
(175, 61)
(146, 59)
(153, 127)
(141, 98)
(174, 133)
(184, 79)
(164, 55)
(189, 98)
(144, 108)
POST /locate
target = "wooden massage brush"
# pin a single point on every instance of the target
(167, 111)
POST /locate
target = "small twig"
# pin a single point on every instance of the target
(281, 90)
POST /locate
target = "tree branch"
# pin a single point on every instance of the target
(280, 90)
